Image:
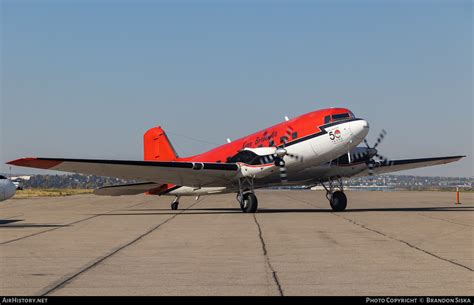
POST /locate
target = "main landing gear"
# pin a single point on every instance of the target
(335, 195)
(175, 203)
(248, 203)
(246, 197)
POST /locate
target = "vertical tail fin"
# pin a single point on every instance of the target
(157, 146)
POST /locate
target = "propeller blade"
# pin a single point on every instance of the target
(283, 175)
(280, 162)
(385, 160)
(371, 171)
(380, 138)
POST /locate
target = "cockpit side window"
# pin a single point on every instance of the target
(340, 117)
(327, 119)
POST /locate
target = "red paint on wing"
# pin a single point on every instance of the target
(35, 163)
(159, 190)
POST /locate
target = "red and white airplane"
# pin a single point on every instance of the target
(319, 147)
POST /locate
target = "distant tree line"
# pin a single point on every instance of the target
(75, 181)
(78, 181)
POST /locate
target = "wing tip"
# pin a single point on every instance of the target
(20, 161)
(34, 162)
(455, 158)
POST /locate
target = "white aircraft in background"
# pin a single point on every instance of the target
(7, 188)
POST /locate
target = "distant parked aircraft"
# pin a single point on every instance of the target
(7, 188)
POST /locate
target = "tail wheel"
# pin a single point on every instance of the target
(338, 201)
(250, 203)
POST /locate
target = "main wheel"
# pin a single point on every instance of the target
(338, 201)
(174, 205)
(250, 203)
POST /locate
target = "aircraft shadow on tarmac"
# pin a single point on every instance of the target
(201, 211)
(10, 223)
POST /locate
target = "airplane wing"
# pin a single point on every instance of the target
(196, 174)
(399, 165)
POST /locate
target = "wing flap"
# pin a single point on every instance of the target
(128, 189)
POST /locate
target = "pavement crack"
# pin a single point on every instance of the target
(444, 219)
(61, 283)
(267, 258)
(404, 242)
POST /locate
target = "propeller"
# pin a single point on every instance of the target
(278, 157)
(280, 154)
(372, 152)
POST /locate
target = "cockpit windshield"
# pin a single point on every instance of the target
(340, 117)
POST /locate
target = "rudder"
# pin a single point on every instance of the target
(157, 146)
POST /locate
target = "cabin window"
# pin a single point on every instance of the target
(283, 139)
(294, 135)
(327, 119)
(271, 143)
(339, 117)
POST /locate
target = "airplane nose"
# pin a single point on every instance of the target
(360, 129)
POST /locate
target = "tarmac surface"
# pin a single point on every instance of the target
(386, 243)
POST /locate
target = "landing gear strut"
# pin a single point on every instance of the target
(337, 199)
(175, 203)
(246, 197)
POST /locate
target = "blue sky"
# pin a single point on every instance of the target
(85, 79)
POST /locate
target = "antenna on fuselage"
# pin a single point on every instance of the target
(287, 118)
(228, 140)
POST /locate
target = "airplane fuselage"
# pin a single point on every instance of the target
(316, 138)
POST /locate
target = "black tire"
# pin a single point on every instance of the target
(250, 203)
(174, 205)
(338, 201)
